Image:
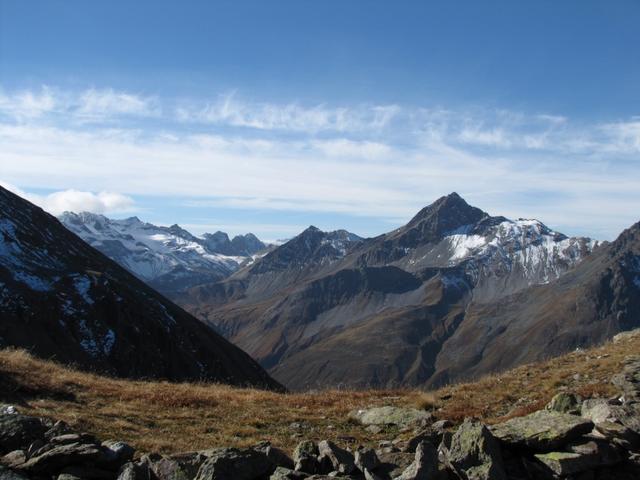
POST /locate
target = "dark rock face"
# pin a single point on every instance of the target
(454, 286)
(62, 299)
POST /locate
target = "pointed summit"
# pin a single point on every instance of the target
(445, 215)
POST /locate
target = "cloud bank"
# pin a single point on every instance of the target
(377, 161)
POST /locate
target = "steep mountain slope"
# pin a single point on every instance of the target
(169, 259)
(597, 299)
(380, 312)
(63, 299)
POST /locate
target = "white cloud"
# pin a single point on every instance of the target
(376, 161)
(76, 201)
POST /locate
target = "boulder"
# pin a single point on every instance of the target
(599, 410)
(333, 458)
(542, 431)
(19, 431)
(61, 456)
(13, 459)
(474, 453)
(135, 471)
(425, 464)
(275, 455)
(236, 464)
(305, 457)
(565, 402)
(401, 417)
(120, 452)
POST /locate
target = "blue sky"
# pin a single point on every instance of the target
(268, 116)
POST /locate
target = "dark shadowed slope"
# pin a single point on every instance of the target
(61, 298)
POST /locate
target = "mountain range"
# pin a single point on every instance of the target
(169, 259)
(454, 294)
(62, 299)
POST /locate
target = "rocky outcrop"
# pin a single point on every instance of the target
(542, 430)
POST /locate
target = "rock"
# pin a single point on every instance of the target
(282, 473)
(277, 457)
(543, 430)
(61, 456)
(333, 458)
(68, 476)
(13, 459)
(121, 452)
(305, 457)
(619, 435)
(425, 435)
(600, 410)
(366, 459)
(6, 474)
(19, 431)
(441, 425)
(599, 450)
(474, 453)
(629, 380)
(587, 455)
(388, 415)
(8, 410)
(392, 464)
(59, 428)
(135, 471)
(561, 463)
(236, 464)
(565, 403)
(425, 464)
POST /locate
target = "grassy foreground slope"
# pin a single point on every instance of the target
(172, 417)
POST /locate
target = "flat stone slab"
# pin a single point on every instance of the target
(401, 417)
(563, 463)
(542, 430)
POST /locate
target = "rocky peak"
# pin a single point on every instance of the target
(446, 215)
(311, 247)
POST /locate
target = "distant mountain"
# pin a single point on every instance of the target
(170, 259)
(62, 299)
(382, 311)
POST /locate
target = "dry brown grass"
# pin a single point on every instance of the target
(171, 417)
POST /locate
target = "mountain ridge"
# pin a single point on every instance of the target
(170, 259)
(307, 324)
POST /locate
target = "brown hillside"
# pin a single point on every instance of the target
(172, 417)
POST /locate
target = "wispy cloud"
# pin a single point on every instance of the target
(89, 105)
(229, 110)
